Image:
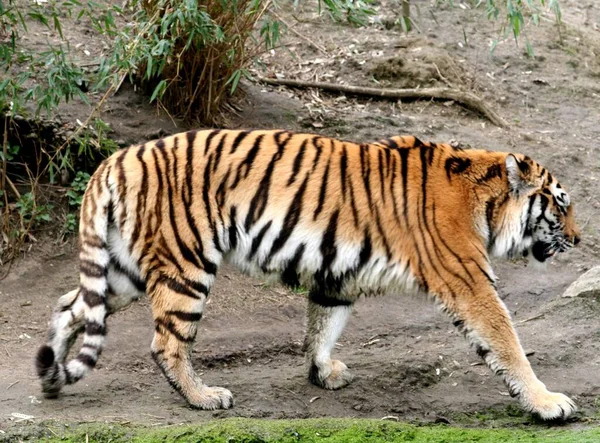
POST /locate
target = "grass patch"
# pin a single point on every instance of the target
(312, 430)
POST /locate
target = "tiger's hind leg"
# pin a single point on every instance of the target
(326, 320)
(177, 306)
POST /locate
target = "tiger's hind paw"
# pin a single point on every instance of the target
(211, 398)
(338, 377)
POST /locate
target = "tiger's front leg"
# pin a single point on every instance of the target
(485, 321)
(326, 320)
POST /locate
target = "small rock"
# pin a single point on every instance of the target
(586, 285)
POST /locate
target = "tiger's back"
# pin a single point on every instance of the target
(339, 218)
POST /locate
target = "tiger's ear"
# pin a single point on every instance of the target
(519, 175)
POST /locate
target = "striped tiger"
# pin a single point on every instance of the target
(339, 218)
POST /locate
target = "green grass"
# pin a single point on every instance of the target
(313, 430)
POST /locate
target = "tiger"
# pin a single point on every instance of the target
(339, 218)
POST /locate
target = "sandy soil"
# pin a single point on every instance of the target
(408, 360)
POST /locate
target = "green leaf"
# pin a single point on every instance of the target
(234, 80)
(159, 90)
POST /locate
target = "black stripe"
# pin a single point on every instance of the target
(221, 190)
(186, 316)
(289, 276)
(87, 360)
(459, 324)
(256, 241)
(528, 231)
(322, 299)
(187, 192)
(291, 219)
(388, 155)
(238, 139)
(277, 136)
(141, 199)
(174, 169)
(489, 217)
(246, 165)
(91, 269)
(328, 248)
(94, 328)
(365, 168)
(323, 191)
(122, 186)
(353, 203)
(258, 203)
(156, 214)
(233, 234)
(169, 326)
(484, 272)
(139, 284)
(456, 165)
(431, 153)
(92, 298)
(418, 143)
(393, 189)
(386, 245)
(167, 253)
(343, 169)
(482, 352)
(219, 151)
(207, 204)
(391, 143)
(365, 251)
(195, 285)
(381, 173)
(319, 150)
(493, 171)
(191, 138)
(297, 162)
(180, 288)
(544, 201)
(404, 175)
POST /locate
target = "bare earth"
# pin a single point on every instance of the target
(408, 360)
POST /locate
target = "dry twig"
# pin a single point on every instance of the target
(298, 34)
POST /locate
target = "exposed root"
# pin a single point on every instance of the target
(467, 99)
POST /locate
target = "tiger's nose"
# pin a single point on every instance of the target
(576, 239)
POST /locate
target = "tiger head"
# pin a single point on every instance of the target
(547, 220)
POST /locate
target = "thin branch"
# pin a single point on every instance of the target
(303, 37)
(467, 99)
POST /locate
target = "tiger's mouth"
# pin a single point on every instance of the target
(542, 251)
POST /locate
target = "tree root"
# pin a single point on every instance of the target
(466, 99)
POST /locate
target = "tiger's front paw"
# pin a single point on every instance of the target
(549, 405)
(211, 398)
(334, 376)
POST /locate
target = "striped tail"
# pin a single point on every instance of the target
(94, 259)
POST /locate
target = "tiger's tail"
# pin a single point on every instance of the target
(94, 260)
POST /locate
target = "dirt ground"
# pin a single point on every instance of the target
(408, 360)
